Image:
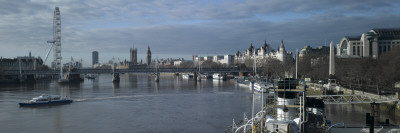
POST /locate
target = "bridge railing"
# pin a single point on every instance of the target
(350, 99)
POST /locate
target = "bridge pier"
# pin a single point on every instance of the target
(115, 77)
(195, 76)
(75, 77)
(374, 114)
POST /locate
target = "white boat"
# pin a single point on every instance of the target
(244, 83)
(45, 99)
(218, 76)
(205, 76)
(186, 76)
(259, 87)
(283, 112)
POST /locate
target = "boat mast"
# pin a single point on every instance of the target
(61, 69)
(199, 65)
(297, 60)
(254, 62)
(20, 69)
(69, 66)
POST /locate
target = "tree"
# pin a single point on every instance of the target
(273, 68)
(186, 65)
(210, 64)
(388, 68)
(314, 66)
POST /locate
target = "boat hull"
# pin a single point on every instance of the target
(58, 102)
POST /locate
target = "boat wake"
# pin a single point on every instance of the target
(102, 98)
(144, 95)
(224, 93)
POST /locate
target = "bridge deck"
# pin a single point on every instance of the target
(136, 70)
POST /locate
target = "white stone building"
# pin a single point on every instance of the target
(369, 44)
(261, 54)
(223, 59)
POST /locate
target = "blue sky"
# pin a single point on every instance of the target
(180, 29)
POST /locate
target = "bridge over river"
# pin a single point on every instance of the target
(135, 70)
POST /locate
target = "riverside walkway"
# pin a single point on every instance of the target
(351, 96)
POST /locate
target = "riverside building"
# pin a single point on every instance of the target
(21, 63)
(370, 44)
(263, 53)
(222, 59)
(95, 58)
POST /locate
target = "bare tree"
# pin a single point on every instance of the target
(186, 65)
(211, 64)
(273, 68)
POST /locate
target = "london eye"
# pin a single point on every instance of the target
(56, 42)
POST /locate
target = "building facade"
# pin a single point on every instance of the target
(95, 58)
(133, 55)
(370, 44)
(21, 63)
(324, 50)
(261, 54)
(222, 59)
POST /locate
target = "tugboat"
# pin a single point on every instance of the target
(287, 110)
(45, 99)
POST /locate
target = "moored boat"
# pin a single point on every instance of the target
(90, 76)
(259, 87)
(45, 99)
(186, 76)
(218, 76)
(205, 76)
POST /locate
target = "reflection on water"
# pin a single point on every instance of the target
(138, 104)
(115, 85)
(354, 114)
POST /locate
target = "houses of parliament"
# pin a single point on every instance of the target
(133, 57)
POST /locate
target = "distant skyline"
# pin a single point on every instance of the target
(180, 29)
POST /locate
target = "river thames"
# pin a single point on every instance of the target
(138, 104)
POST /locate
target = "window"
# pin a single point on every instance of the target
(384, 48)
(380, 50)
(358, 50)
(354, 50)
(388, 48)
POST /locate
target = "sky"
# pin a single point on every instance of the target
(180, 29)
